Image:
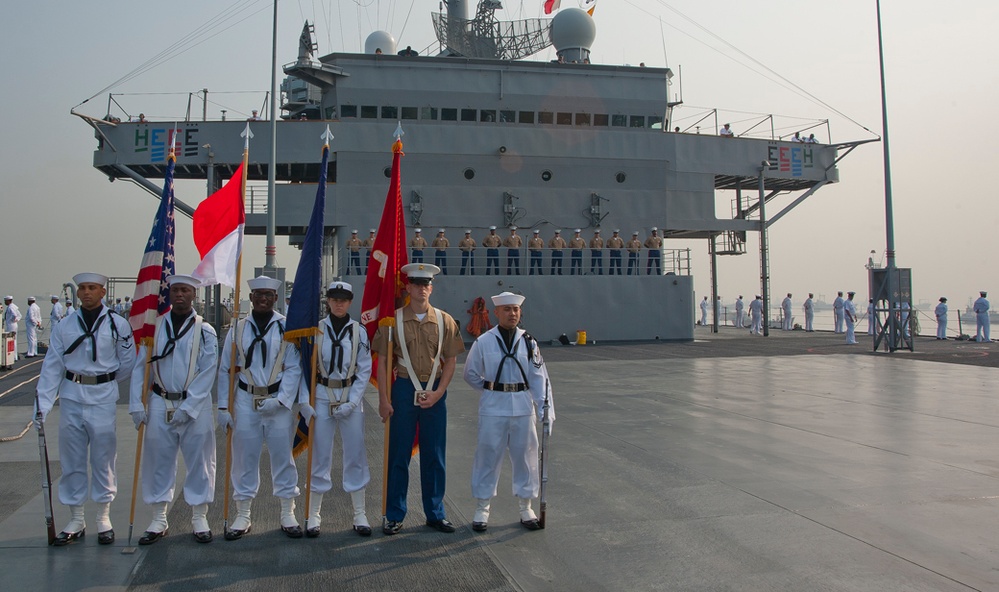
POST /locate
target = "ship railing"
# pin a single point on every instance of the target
(691, 119)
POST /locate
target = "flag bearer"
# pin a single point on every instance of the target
(268, 372)
(178, 413)
(344, 371)
(90, 352)
(506, 368)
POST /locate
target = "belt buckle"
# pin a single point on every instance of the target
(424, 378)
(77, 378)
(510, 388)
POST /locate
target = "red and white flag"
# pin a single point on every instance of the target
(218, 233)
(551, 6)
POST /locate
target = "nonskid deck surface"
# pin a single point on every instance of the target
(792, 462)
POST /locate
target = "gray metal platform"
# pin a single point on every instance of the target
(792, 462)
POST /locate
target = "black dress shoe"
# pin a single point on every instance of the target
(441, 525)
(294, 532)
(362, 530)
(149, 537)
(312, 532)
(531, 524)
(106, 537)
(392, 527)
(479, 526)
(235, 535)
(204, 537)
(68, 538)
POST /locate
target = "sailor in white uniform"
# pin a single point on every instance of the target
(178, 412)
(34, 327)
(506, 368)
(786, 308)
(809, 308)
(267, 375)
(756, 313)
(344, 371)
(740, 313)
(57, 314)
(850, 317)
(704, 311)
(981, 309)
(871, 319)
(838, 312)
(89, 354)
(11, 317)
(941, 313)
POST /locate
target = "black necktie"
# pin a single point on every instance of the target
(91, 333)
(172, 339)
(258, 338)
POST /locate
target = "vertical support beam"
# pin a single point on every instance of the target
(714, 283)
(764, 254)
(270, 250)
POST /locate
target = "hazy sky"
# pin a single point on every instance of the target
(60, 216)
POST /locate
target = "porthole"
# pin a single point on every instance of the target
(388, 172)
(469, 174)
(546, 175)
(620, 177)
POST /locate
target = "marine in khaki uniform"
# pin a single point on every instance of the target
(369, 244)
(467, 246)
(654, 244)
(426, 344)
(492, 243)
(513, 244)
(576, 244)
(417, 245)
(534, 246)
(614, 245)
(440, 245)
(353, 246)
(596, 254)
(556, 245)
(634, 248)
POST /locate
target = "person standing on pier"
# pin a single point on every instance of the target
(506, 368)
(704, 311)
(941, 313)
(34, 327)
(785, 306)
(178, 412)
(756, 312)
(557, 244)
(492, 243)
(981, 309)
(871, 317)
(838, 313)
(809, 308)
(850, 318)
(57, 314)
(467, 247)
(88, 356)
(740, 313)
(426, 341)
(11, 317)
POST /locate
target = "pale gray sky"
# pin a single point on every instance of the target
(60, 216)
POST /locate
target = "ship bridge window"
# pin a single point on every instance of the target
(348, 111)
(546, 117)
(637, 121)
(369, 112)
(448, 114)
(508, 116)
(526, 117)
(582, 119)
(487, 115)
(468, 114)
(601, 119)
(619, 121)
(428, 113)
(410, 112)
(390, 113)
(564, 119)
(655, 122)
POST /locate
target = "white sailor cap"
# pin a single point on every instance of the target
(353, 231)
(8, 297)
(90, 278)
(492, 228)
(31, 298)
(420, 273)
(418, 230)
(187, 280)
(577, 231)
(467, 231)
(507, 299)
(536, 231)
(441, 230)
(53, 297)
(340, 290)
(264, 283)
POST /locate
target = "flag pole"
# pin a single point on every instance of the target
(129, 549)
(390, 323)
(247, 134)
(312, 427)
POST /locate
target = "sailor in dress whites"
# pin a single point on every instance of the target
(426, 342)
(467, 247)
(535, 245)
(344, 371)
(838, 312)
(756, 313)
(704, 311)
(418, 243)
(557, 244)
(850, 317)
(785, 306)
(941, 313)
(89, 354)
(354, 245)
(871, 319)
(576, 244)
(809, 308)
(268, 371)
(506, 368)
(57, 314)
(740, 313)
(69, 308)
(492, 243)
(11, 317)
(178, 412)
(34, 327)
(981, 308)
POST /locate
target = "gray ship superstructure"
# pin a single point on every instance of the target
(540, 145)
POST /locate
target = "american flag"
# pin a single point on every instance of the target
(152, 295)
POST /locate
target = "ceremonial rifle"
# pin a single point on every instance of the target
(43, 452)
(545, 432)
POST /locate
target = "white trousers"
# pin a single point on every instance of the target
(839, 315)
(870, 324)
(497, 436)
(740, 317)
(87, 429)
(757, 324)
(355, 459)
(32, 340)
(850, 336)
(982, 330)
(164, 443)
(787, 320)
(941, 327)
(809, 320)
(252, 430)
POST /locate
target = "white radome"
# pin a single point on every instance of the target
(572, 28)
(380, 40)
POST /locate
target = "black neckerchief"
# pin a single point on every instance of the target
(509, 348)
(90, 321)
(260, 319)
(176, 320)
(508, 336)
(90, 317)
(335, 332)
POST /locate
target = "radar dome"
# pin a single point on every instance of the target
(380, 40)
(573, 28)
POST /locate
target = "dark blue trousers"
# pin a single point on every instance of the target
(433, 443)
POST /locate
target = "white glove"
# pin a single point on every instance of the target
(269, 406)
(138, 417)
(180, 417)
(39, 419)
(307, 412)
(223, 420)
(344, 411)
